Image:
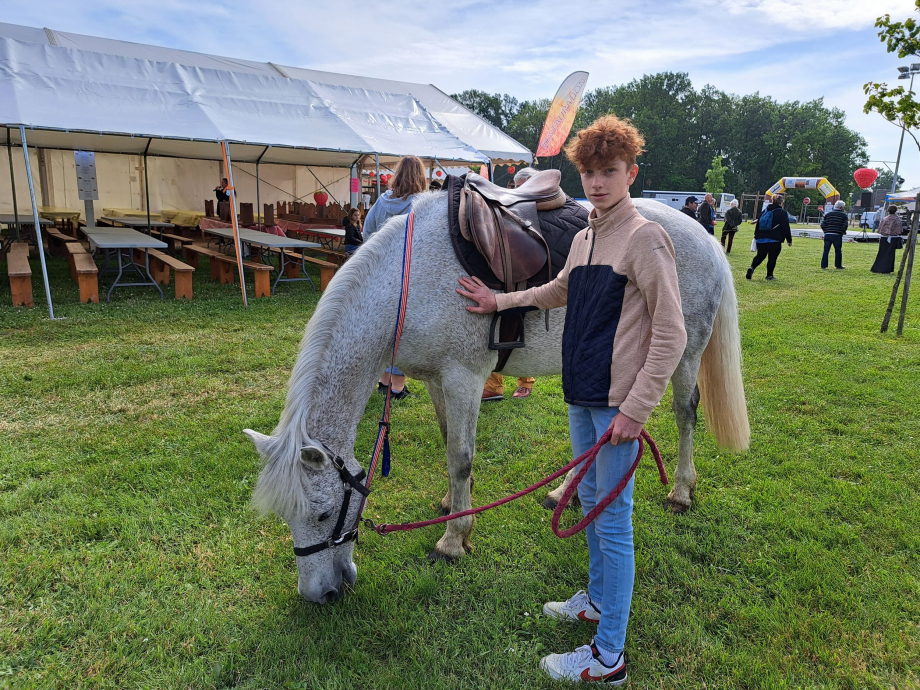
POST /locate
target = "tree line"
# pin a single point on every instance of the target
(755, 138)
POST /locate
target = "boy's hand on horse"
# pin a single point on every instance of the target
(624, 429)
(476, 290)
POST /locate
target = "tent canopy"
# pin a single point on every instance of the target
(80, 92)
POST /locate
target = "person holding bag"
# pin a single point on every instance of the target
(772, 229)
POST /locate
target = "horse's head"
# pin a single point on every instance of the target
(303, 485)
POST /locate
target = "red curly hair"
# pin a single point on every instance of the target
(604, 141)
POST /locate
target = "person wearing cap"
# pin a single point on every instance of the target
(690, 206)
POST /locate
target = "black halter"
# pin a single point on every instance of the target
(350, 482)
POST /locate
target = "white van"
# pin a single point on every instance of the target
(677, 199)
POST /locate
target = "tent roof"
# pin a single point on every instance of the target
(107, 95)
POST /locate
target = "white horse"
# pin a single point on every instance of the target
(348, 341)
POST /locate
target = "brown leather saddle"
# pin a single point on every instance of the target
(504, 226)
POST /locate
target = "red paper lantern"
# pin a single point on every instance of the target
(320, 198)
(373, 174)
(865, 177)
(438, 173)
(511, 169)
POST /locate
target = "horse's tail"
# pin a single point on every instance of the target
(721, 387)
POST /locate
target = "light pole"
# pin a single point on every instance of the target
(905, 73)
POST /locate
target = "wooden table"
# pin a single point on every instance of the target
(137, 222)
(123, 242)
(282, 244)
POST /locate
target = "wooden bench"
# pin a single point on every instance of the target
(87, 276)
(223, 268)
(20, 273)
(72, 249)
(175, 242)
(160, 264)
(337, 258)
(327, 269)
(57, 240)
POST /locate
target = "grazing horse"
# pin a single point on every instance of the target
(347, 344)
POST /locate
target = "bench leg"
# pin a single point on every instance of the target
(325, 275)
(226, 272)
(21, 287)
(292, 270)
(263, 283)
(183, 284)
(215, 268)
(159, 271)
(89, 287)
(191, 258)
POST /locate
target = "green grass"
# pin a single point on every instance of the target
(131, 557)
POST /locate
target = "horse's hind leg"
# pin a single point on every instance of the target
(685, 403)
(461, 394)
(436, 393)
(553, 497)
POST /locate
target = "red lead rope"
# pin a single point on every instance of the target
(588, 458)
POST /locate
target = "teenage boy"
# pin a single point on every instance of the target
(624, 335)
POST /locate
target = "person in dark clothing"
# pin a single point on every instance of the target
(353, 236)
(733, 220)
(889, 242)
(222, 192)
(690, 206)
(770, 235)
(834, 225)
(708, 214)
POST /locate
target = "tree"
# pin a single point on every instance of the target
(715, 176)
(496, 108)
(896, 104)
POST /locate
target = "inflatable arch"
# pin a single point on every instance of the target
(819, 183)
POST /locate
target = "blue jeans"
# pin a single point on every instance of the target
(351, 248)
(395, 371)
(832, 239)
(612, 562)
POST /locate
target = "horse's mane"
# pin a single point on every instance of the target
(279, 489)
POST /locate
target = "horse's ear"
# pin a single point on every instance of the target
(260, 441)
(314, 457)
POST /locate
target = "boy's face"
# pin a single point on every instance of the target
(606, 186)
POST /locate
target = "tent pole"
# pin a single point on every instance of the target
(225, 147)
(147, 186)
(38, 227)
(9, 150)
(377, 159)
(258, 196)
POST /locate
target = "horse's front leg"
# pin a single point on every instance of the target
(461, 395)
(436, 393)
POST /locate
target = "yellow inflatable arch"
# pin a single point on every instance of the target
(819, 183)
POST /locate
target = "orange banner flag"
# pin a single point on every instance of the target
(561, 114)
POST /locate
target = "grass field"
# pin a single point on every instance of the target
(131, 557)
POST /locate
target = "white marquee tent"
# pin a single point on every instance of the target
(73, 92)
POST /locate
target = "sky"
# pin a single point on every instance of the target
(786, 49)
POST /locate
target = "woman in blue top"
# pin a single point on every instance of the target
(407, 183)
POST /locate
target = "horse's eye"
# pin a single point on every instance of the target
(325, 516)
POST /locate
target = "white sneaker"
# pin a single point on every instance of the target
(584, 664)
(578, 608)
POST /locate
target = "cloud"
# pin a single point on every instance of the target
(788, 49)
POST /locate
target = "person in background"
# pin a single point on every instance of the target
(221, 192)
(772, 230)
(572, 217)
(708, 214)
(889, 243)
(619, 285)
(434, 186)
(353, 236)
(834, 225)
(733, 220)
(690, 206)
(407, 183)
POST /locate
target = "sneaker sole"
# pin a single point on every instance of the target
(559, 677)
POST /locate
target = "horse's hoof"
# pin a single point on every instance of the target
(676, 507)
(436, 556)
(549, 503)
